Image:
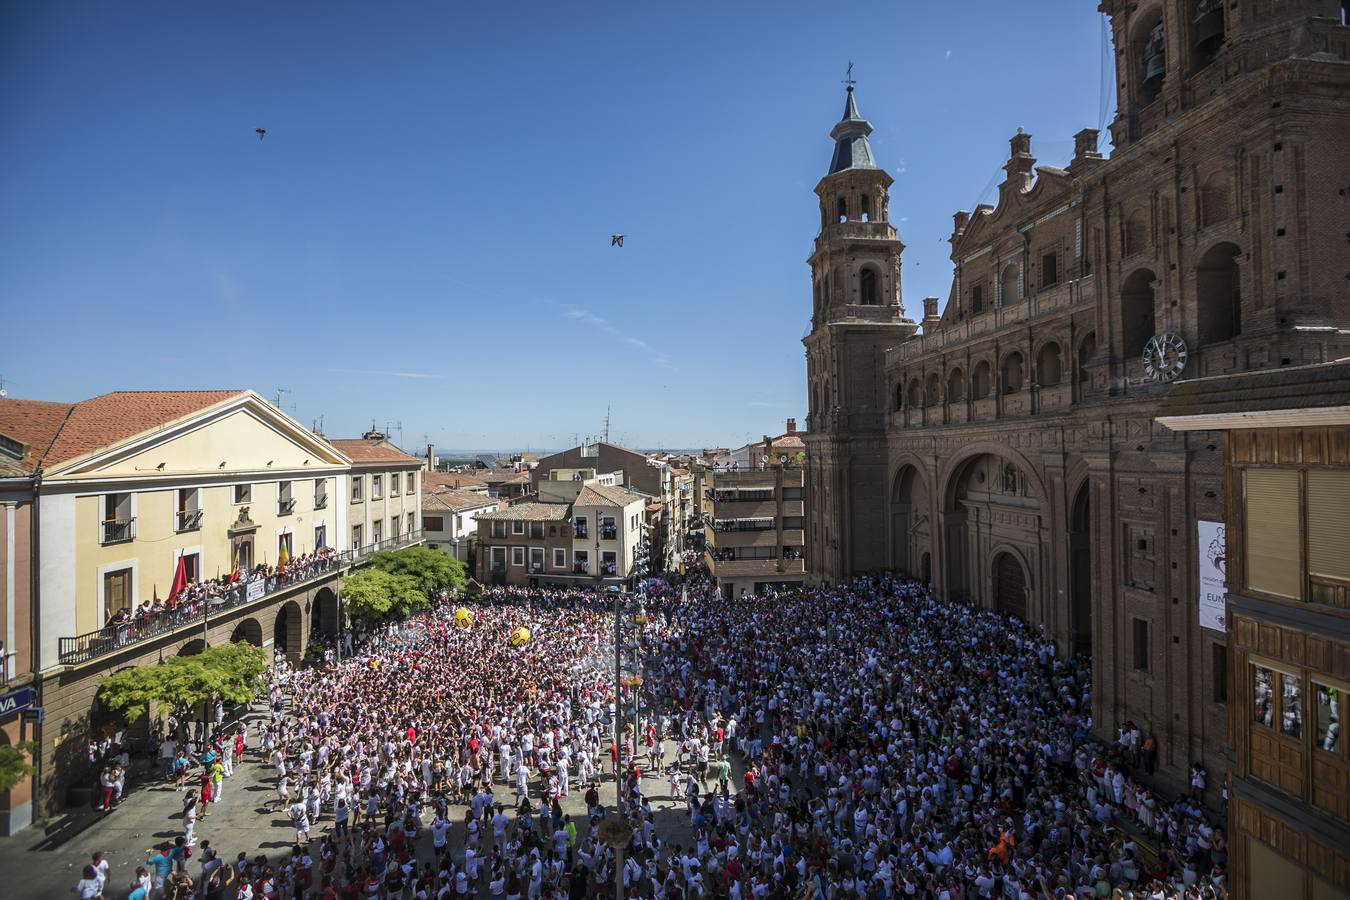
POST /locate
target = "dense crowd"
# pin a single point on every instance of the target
(884, 744)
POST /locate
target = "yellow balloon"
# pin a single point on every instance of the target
(463, 618)
(520, 637)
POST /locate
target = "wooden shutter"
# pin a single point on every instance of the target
(1272, 540)
(1329, 523)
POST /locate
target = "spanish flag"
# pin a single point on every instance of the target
(234, 569)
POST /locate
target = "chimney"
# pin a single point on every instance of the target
(1020, 161)
(1085, 147)
(431, 458)
(791, 426)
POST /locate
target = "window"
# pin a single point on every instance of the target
(980, 382)
(867, 286)
(1217, 298)
(285, 542)
(865, 204)
(842, 209)
(1291, 705)
(393, 483)
(791, 522)
(497, 527)
(1328, 717)
(792, 493)
(977, 299)
(285, 502)
(581, 562)
(1329, 523)
(559, 558)
(189, 514)
(1140, 645)
(1219, 673)
(376, 487)
(609, 563)
(1010, 285)
(1263, 696)
(1049, 372)
(1012, 373)
(1270, 503)
(411, 482)
(497, 557)
(433, 523)
(536, 559)
(393, 526)
(536, 530)
(358, 483)
(356, 537)
(118, 522)
(517, 556)
(1049, 270)
(518, 527)
(579, 528)
(116, 591)
(192, 567)
(320, 493)
(377, 530)
(412, 522)
(320, 537)
(241, 555)
(243, 493)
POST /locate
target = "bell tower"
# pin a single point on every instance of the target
(856, 315)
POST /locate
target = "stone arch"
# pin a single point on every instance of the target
(288, 630)
(1218, 296)
(981, 380)
(932, 393)
(1011, 582)
(1049, 364)
(914, 394)
(1087, 348)
(910, 510)
(325, 617)
(869, 286)
(192, 647)
(1010, 284)
(899, 395)
(1148, 52)
(1137, 311)
(956, 385)
(1080, 569)
(248, 631)
(947, 475)
(1014, 372)
(1206, 18)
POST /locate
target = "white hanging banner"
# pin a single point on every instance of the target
(1212, 544)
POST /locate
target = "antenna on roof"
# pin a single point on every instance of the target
(607, 408)
(317, 426)
(389, 429)
(280, 391)
(3, 392)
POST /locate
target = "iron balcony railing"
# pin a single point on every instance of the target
(188, 520)
(579, 531)
(609, 534)
(85, 647)
(115, 531)
(392, 543)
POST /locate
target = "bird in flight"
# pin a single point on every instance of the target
(262, 133)
(616, 240)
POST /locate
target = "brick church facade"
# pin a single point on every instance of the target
(1007, 452)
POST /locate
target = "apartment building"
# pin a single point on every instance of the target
(450, 518)
(383, 499)
(608, 533)
(525, 545)
(1281, 555)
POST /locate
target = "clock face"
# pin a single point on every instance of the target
(1164, 357)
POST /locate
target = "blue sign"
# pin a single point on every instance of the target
(17, 701)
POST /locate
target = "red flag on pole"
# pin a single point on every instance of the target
(179, 581)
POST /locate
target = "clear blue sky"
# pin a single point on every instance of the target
(423, 236)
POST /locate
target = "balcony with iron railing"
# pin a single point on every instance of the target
(581, 568)
(117, 531)
(608, 569)
(188, 520)
(398, 541)
(580, 531)
(609, 533)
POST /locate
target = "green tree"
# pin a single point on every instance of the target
(374, 593)
(232, 673)
(435, 570)
(14, 764)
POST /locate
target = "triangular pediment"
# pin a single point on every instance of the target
(244, 434)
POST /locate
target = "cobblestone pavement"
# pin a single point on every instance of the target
(241, 821)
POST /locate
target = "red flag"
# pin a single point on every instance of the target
(179, 580)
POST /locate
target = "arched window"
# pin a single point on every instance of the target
(843, 209)
(1010, 285)
(865, 205)
(867, 286)
(1048, 366)
(932, 394)
(980, 381)
(1206, 32)
(956, 386)
(915, 394)
(1151, 54)
(1136, 232)
(1218, 303)
(1214, 200)
(1136, 311)
(1086, 350)
(1012, 373)
(899, 396)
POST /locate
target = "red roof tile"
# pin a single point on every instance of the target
(34, 423)
(111, 418)
(360, 450)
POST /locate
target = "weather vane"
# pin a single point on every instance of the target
(848, 76)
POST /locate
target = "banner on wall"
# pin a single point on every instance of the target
(256, 589)
(1212, 544)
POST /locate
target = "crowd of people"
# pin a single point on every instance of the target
(150, 617)
(861, 740)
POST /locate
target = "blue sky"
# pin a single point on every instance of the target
(423, 235)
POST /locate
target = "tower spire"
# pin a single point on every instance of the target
(851, 149)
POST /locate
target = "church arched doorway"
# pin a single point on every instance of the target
(1010, 586)
(909, 520)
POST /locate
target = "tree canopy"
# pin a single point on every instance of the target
(14, 764)
(434, 570)
(372, 593)
(232, 673)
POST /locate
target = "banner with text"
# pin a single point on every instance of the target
(256, 589)
(1213, 570)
